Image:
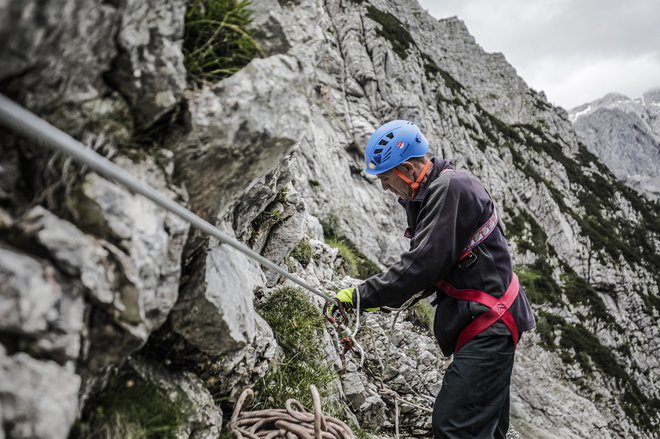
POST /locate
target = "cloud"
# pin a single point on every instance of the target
(568, 48)
(588, 80)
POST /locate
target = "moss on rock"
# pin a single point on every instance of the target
(131, 407)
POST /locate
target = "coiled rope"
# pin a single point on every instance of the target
(293, 422)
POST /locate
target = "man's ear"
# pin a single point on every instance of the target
(407, 168)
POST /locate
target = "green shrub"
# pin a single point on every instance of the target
(579, 291)
(217, 42)
(302, 252)
(132, 408)
(538, 282)
(298, 327)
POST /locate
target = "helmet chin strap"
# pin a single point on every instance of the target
(414, 185)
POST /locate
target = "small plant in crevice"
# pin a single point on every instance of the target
(217, 41)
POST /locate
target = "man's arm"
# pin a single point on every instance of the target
(448, 218)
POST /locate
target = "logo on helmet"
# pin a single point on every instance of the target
(400, 144)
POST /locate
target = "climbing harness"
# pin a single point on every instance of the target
(293, 422)
(498, 309)
(480, 236)
(414, 185)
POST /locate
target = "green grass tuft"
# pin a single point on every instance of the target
(217, 42)
(350, 265)
(298, 327)
(357, 265)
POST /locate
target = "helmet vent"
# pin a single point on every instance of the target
(382, 142)
(378, 150)
(389, 135)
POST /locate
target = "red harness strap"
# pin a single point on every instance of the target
(499, 310)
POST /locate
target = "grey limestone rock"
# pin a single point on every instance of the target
(240, 369)
(215, 310)
(29, 291)
(253, 117)
(188, 391)
(148, 70)
(38, 399)
(150, 236)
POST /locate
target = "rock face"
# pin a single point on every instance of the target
(24, 415)
(625, 134)
(93, 277)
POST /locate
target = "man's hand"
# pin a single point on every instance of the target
(345, 296)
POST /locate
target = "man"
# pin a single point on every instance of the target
(457, 248)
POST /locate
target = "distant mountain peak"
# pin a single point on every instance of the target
(625, 134)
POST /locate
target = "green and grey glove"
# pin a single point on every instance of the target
(345, 296)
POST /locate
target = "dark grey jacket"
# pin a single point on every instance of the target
(448, 209)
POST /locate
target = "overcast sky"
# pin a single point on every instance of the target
(574, 50)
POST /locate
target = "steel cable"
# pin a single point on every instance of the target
(18, 119)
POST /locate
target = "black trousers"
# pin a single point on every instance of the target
(473, 402)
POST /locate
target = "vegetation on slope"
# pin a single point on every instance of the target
(576, 344)
(356, 264)
(392, 30)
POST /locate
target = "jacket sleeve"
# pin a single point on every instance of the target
(446, 221)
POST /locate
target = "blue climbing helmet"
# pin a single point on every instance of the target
(392, 144)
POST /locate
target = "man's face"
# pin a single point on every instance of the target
(391, 182)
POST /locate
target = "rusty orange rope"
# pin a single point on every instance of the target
(293, 422)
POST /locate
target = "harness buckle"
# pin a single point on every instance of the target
(467, 261)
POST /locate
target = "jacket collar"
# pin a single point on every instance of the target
(438, 166)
